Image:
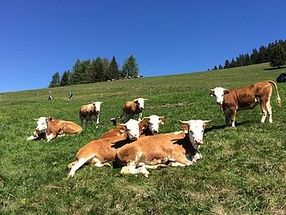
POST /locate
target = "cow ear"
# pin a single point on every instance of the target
(184, 128)
(122, 128)
(211, 93)
(135, 101)
(226, 92)
(50, 118)
(162, 120)
(206, 122)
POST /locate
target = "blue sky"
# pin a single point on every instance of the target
(39, 38)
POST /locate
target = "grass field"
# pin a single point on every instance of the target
(243, 170)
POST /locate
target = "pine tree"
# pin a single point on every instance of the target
(65, 79)
(226, 64)
(130, 67)
(277, 56)
(55, 82)
(113, 68)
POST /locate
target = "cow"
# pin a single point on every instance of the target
(103, 150)
(90, 111)
(231, 101)
(152, 124)
(132, 108)
(49, 128)
(174, 149)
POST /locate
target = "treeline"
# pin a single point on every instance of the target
(97, 70)
(275, 53)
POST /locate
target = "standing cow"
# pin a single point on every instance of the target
(132, 108)
(231, 101)
(90, 111)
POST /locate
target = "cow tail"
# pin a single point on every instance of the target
(278, 99)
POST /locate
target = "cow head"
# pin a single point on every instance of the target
(132, 129)
(42, 124)
(218, 93)
(195, 131)
(153, 122)
(97, 106)
(140, 103)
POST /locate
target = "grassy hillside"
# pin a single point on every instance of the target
(243, 170)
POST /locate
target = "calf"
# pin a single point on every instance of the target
(89, 111)
(50, 128)
(132, 108)
(175, 149)
(99, 152)
(231, 101)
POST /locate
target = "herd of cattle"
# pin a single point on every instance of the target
(136, 145)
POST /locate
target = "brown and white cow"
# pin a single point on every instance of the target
(90, 111)
(103, 150)
(175, 149)
(50, 128)
(132, 108)
(233, 100)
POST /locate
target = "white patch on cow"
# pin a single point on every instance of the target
(154, 123)
(97, 106)
(132, 127)
(42, 124)
(218, 93)
(196, 131)
(140, 102)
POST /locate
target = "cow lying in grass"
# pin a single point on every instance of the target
(103, 150)
(90, 111)
(175, 149)
(50, 128)
(231, 101)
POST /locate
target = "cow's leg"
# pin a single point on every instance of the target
(181, 161)
(197, 156)
(227, 116)
(51, 136)
(74, 166)
(97, 120)
(131, 169)
(269, 111)
(232, 116)
(140, 116)
(97, 163)
(264, 112)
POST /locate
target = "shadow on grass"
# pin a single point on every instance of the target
(274, 68)
(217, 127)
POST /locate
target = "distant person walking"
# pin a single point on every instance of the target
(50, 96)
(70, 95)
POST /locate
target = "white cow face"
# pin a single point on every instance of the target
(195, 131)
(132, 128)
(154, 122)
(97, 106)
(42, 124)
(218, 93)
(140, 102)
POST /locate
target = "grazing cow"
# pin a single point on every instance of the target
(231, 101)
(99, 152)
(174, 149)
(131, 108)
(50, 128)
(89, 111)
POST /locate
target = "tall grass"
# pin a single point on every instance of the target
(242, 170)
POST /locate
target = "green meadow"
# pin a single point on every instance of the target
(243, 170)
